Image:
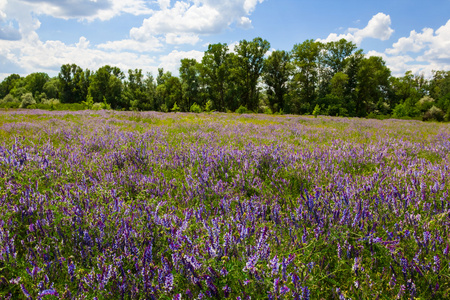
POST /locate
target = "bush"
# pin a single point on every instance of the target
(209, 106)
(27, 100)
(425, 103)
(434, 114)
(10, 105)
(175, 108)
(195, 108)
(164, 108)
(242, 110)
(9, 99)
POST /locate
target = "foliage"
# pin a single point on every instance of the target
(175, 108)
(195, 108)
(27, 100)
(335, 75)
(434, 113)
(242, 110)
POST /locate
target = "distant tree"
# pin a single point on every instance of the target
(189, 75)
(306, 61)
(136, 94)
(168, 91)
(277, 72)
(34, 83)
(215, 74)
(51, 88)
(73, 83)
(8, 84)
(373, 85)
(247, 69)
(106, 83)
(27, 100)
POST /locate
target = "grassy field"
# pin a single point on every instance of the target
(127, 205)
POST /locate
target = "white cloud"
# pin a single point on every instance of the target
(148, 45)
(420, 52)
(171, 61)
(196, 17)
(37, 56)
(377, 28)
(88, 9)
(184, 38)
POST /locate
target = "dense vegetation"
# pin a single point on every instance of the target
(146, 205)
(313, 78)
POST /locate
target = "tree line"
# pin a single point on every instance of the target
(333, 78)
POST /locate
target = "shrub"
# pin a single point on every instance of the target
(27, 100)
(164, 108)
(434, 113)
(425, 103)
(195, 108)
(316, 111)
(242, 110)
(209, 106)
(9, 99)
(175, 108)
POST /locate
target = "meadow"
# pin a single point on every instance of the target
(128, 205)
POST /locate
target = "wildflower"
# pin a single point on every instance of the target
(437, 264)
(339, 251)
(24, 291)
(226, 291)
(168, 282)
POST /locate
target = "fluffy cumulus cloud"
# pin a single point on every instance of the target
(184, 21)
(171, 61)
(88, 9)
(379, 27)
(37, 56)
(421, 52)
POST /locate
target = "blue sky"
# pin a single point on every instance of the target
(41, 35)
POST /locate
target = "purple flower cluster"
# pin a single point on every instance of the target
(119, 205)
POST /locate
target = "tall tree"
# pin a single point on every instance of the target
(136, 94)
(73, 83)
(168, 91)
(189, 74)
(106, 84)
(337, 54)
(277, 71)
(373, 85)
(306, 60)
(8, 84)
(215, 74)
(248, 68)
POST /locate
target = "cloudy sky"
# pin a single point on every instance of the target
(41, 35)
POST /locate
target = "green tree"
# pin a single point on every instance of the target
(168, 91)
(73, 83)
(373, 85)
(215, 74)
(189, 74)
(136, 91)
(34, 83)
(51, 88)
(247, 70)
(106, 83)
(277, 71)
(8, 84)
(337, 55)
(306, 59)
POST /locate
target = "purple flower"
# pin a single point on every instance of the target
(24, 291)
(437, 264)
(226, 291)
(168, 282)
(49, 292)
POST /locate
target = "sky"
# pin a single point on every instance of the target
(42, 35)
